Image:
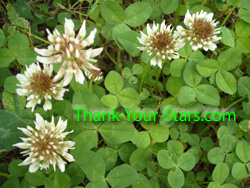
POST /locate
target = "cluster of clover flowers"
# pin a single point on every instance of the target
(46, 144)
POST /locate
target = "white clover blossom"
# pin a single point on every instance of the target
(38, 84)
(200, 31)
(161, 42)
(69, 49)
(45, 145)
(93, 74)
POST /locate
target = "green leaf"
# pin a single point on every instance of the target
(226, 82)
(244, 14)
(12, 182)
(142, 181)
(230, 59)
(13, 102)
(15, 170)
(8, 129)
(175, 147)
(244, 86)
(190, 74)
(112, 12)
(242, 29)
(185, 51)
(94, 168)
(159, 133)
(122, 176)
(129, 41)
(177, 67)
(239, 170)
(61, 17)
(220, 173)
(26, 56)
(113, 82)
(7, 56)
(186, 161)
(129, 97)
(174, 84)
(137, 69)
(208, 67)
(228, 142)
(117, 132)
(227, 37)
(35, 179)
(110, 101)
(169, 6)
(18, 42)
(21, 22)
(186, 95)
(141, 139)
(243, 44)
(75, 173)
(165, 159)
(137, 13)
(207, 143)
(62, 180)
(216, 155)
(125, 151)
(118, 29)
(207, 94)
(10, 84)
(83, 143)
(176, 178)
(243, 151)
(109, 157)
(140, 158)
(12, 13)
(99, 184)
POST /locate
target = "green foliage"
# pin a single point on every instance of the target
(146, 142)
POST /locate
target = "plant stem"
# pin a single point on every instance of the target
(5, 175)
(76, 85)
(109, 56)
(235, 102)
(90, 85)
(202, 5)
(39, 38)
(143, 75)
(118, 60)
(230, 12)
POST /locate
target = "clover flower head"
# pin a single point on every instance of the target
(93, 74)
(200, 30)
(45, 145)
(161, 42)
(70, 50)
(37, 84)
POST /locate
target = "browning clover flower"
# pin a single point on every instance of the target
(69, 50)
(200, 31)
(161, 42)
(38, 84)
(45, 145)
(93, 74)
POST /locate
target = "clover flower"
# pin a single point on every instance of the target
(200, 31)
(37, 83)
(161, 42)
(69, 49)
(93, 74)
(45, 145)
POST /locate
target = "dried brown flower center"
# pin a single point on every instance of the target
(202, 29)
(162, 42)
(41, 83)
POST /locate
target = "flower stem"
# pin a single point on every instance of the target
(109, 56)
(90, 85)
(51, 113)
(143, 75)
(76, 86)
(118, 60)
(235, 102)
(202, 5)
(230, 12)
(5, 175)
